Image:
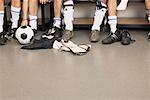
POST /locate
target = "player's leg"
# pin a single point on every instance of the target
(25, 8)
(57, 31)
(147, 4)
(15, 15)
(57, 13)
(101, 9)
(114, 35)
(15, 12)
(124, 37)
(33, 10)
(1, 15)
(2, 33)
(68, 19)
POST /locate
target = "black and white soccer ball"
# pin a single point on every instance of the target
(24, 34)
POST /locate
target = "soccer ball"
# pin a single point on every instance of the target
(24, 34)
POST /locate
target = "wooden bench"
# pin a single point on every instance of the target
(129, 22)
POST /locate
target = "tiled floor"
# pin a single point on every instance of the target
(107, 72)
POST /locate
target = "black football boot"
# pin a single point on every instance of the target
(126, 38)
(55, 32)
(3, 39)
(11, 33)
(112, 37)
